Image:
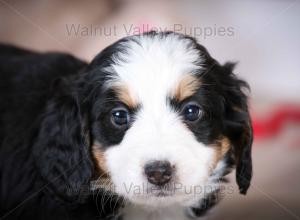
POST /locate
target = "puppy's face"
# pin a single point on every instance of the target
(159, 123)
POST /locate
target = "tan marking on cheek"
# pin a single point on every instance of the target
(225, 146)
(100, 160)
(104, 179)
(187, 86)
(125, 96)
(221, 147)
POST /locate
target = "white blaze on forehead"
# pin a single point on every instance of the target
(152, 66)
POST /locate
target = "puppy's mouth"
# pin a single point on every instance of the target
(163, 194)
(156, 196)
(169, 191)
(165, 191)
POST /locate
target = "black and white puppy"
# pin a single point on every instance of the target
(150, 128)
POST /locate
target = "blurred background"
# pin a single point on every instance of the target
(262, 36)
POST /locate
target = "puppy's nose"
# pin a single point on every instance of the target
(158, 172)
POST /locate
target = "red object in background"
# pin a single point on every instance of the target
(274, 122)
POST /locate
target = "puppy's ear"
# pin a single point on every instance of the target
(237, 125)
(61, 148)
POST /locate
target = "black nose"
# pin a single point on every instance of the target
(158, 172)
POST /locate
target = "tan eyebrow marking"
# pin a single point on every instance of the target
(187, 86)
(123, 93)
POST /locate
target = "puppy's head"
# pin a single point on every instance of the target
(159, 117)
(165, 116)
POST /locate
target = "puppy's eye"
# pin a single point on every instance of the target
(120, 117)
(191, 112)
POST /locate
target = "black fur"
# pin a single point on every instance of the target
(53, 106)
(236, 122)
(45, 161)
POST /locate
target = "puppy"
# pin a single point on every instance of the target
(147, 130)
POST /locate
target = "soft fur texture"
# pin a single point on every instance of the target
(62, 156)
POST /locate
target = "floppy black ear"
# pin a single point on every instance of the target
(61, 149)
(237, 125)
